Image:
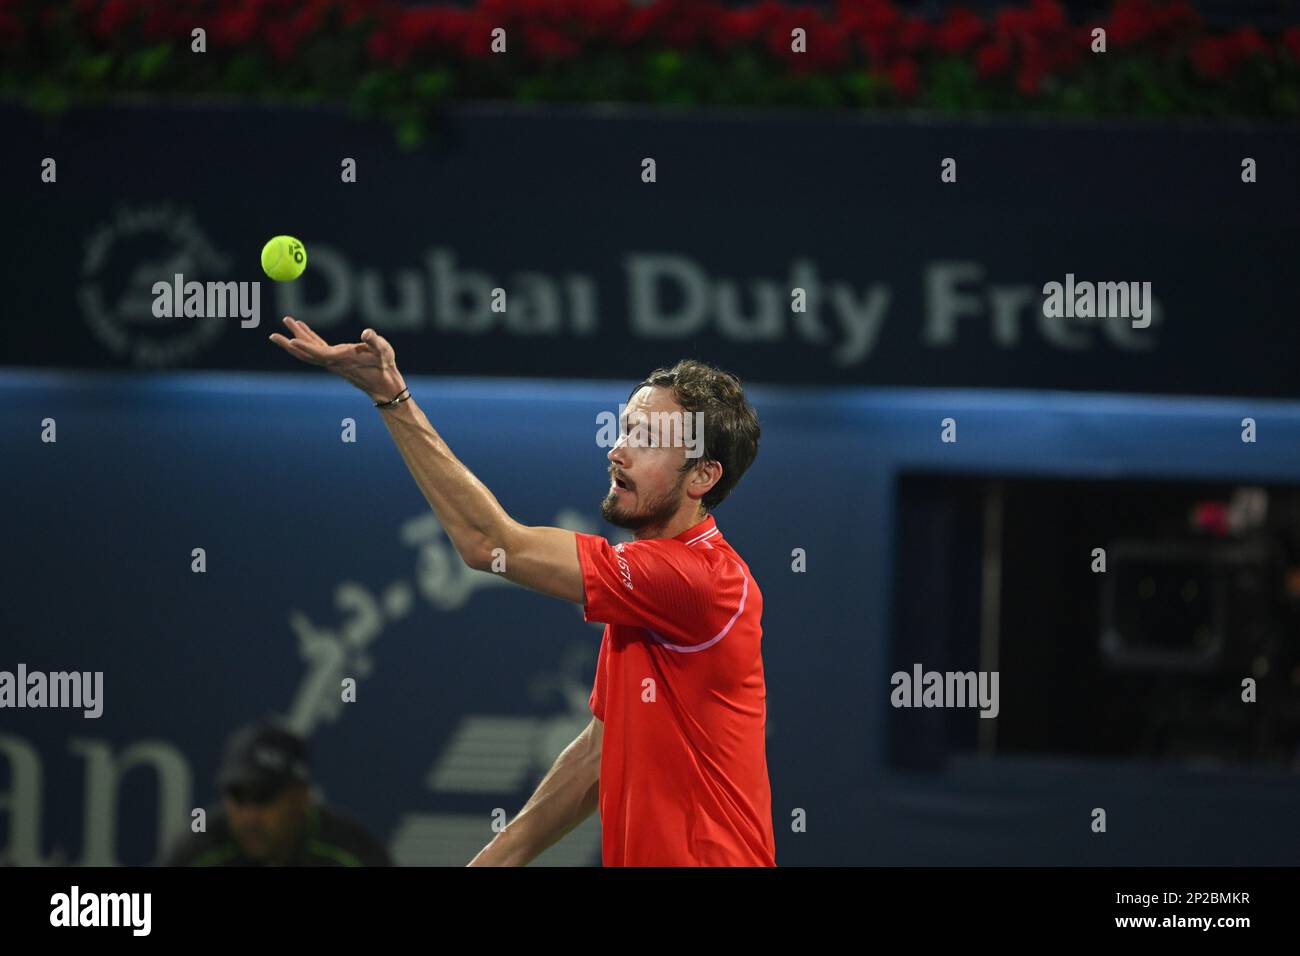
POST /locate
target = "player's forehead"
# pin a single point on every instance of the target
(649, 399)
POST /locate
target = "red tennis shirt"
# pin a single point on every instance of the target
(679, 687)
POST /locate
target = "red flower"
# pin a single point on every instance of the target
(828, 45)
(1132, 21)
(904, 76)
(534, 10)
(354, 11)
(879, 46)
(1212, 517)
(778, 40)
(1034, 66)
(851, 17)
(113, 17)
(1178, 17)
(549, 43)
(770, 12)
(1046, 16)
(610, 9)
(992, 59)
(913, 34)
(637, 26)
(310, 16)
(680, 32)
(419, 28)
(471, 32)
(599, 17)
(736, 27)
(1029, 79)
(879, 15)
(235, 25)
(282, 39)
(1211, 58)
(1071, 48)
(163, 22)
(1012, 22)
(1247, 42)
(678, 23)
(11, 30)
(1291, 40)
(380, 46)
(776, 24)
(959, 29)
(872, 22)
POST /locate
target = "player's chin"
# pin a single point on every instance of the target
(613, 512)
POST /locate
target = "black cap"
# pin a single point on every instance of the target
(263, 759)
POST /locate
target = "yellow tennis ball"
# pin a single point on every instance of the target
(284, 258)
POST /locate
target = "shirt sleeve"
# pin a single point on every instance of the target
(596, 703)
(685, 597)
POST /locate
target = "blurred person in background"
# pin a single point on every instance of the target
(269, 816)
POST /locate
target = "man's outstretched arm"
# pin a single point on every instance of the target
(544, 559)
(567, 795)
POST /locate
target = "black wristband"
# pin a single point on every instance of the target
(402, 396)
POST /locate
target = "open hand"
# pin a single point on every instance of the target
(370, 364)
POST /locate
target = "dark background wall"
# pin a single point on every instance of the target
(323, 559)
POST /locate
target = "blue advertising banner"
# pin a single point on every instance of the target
(322, 561)
(796, 249)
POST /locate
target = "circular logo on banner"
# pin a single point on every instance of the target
(124, 259)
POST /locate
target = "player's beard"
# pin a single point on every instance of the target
(656, 513)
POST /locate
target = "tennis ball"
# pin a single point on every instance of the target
(284, 258)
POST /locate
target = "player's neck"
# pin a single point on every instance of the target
(682, 521)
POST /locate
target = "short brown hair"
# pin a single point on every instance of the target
(731, 428)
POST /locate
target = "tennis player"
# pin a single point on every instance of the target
(674, 756)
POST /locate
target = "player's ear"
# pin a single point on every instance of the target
(704, 476)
